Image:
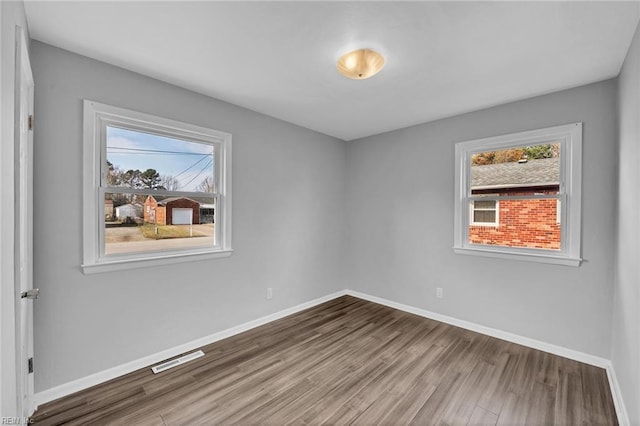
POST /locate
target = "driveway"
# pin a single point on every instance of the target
(123, 234)
(119, 240)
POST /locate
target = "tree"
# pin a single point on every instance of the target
(483, 158)
(207, 185)
(169, 183)
(150, 178)
(542, 151)
(114, 174)
(130, 179)
(495, 157)
(512, 155)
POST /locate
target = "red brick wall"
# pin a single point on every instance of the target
(521, 223)
(183, 203)
(149, 205)
(161, 215)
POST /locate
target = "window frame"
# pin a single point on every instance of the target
(496, 209)
(569, 137)
(97, 117)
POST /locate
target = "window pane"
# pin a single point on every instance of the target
(530, 223)
(137, 223)
(517, 171)
(143, 160)
(484, 216)
(484, 205)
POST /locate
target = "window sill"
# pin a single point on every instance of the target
(527, 257)
(157, 260)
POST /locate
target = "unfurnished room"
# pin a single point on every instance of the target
(319, 212)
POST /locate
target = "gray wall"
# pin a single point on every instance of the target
(400, 218)
(625, 353)
(11, 14)
(288, 205)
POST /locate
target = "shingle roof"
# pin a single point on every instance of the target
(541, 172)
(164, 201)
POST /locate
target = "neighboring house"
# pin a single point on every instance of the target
(171, 211)
(207, 213)
(128, 210)
(108, 209)
(533, 223)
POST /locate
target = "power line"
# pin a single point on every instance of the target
(209, 163)
(156, 150)
(191, 166)
(146, 151)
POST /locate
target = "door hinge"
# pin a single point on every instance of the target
(30, 294)
(31, 122)
(30, 365)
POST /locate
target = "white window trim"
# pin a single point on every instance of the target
(96, 117)
(494, 224)
(570, 195)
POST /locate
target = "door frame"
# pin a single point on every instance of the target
(23, 227)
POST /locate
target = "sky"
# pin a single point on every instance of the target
(189, 162)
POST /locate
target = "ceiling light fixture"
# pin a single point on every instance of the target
(360, 64)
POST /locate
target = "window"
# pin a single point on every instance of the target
(484, 212)
(156, 191)
(518, 196)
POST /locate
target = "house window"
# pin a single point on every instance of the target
(509, 190)
(484, 212)
(156, 191)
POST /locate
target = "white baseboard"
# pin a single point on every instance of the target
(616, 394)
(500, 334)
(106, 375)
(621, 411)
(111, 373)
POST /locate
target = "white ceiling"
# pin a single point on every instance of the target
(278, 58)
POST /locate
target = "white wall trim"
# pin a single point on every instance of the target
(493, 332)
(111, 373)
(616, 394)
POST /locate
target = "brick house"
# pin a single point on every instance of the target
(108, 209)
(171, 210)
(531, 223)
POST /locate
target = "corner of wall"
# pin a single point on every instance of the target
(625, 328)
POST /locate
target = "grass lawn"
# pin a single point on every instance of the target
(167, 231)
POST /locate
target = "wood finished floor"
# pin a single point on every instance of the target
(351, 361)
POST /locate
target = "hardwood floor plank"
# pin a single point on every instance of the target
(433, 409)
(470, 392)
(569, 400)
(542, 405)
(408, 406)
(482, 417)
(514, 410)
(495, 395)
(349, 361)
(596, 394)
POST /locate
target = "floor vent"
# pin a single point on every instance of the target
(175, 362)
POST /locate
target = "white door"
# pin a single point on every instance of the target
(181, 216)
(24, 226)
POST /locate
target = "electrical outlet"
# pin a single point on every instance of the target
(439, 293)
(269, 293)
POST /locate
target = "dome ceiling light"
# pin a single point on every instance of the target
(360, 64)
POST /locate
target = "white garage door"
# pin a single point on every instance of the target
(181, 216)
